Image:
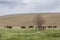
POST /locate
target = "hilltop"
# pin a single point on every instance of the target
(29, 19)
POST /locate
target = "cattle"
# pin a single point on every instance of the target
(8, 27)
(54, 26)
(44, 27)
(31, 26)
(23, 27)
(49, 26)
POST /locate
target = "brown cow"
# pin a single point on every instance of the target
(54, 26)
(31, 26)
(23, 27)
(8, 27)
(49, 26)
(44, 27)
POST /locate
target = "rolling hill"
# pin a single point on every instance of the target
(29, 19)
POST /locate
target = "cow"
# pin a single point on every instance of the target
(54, 26)
(49, 26)
(8, 27)
(23, 27)
(44, 27)
(31, 26)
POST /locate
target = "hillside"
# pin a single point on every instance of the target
(29, 19)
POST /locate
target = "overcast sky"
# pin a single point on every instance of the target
(27, 6)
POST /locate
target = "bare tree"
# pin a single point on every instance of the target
(40, 21)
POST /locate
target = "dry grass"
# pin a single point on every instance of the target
(29, 19)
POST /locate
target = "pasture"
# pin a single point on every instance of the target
(30, 34)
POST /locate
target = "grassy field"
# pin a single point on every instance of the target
(29, 34)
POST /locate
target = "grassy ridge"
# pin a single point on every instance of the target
(29, 19)
(29, 34)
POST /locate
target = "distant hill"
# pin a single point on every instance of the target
(29, 19)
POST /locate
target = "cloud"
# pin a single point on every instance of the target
(24, 6)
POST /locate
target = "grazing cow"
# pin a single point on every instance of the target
(31, 26)
(54, 26)
(23, 27)
(44, 27)
(49, 26)
(8, 27)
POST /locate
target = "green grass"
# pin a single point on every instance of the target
(29, 34)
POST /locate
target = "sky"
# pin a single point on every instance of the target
(28, 6)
